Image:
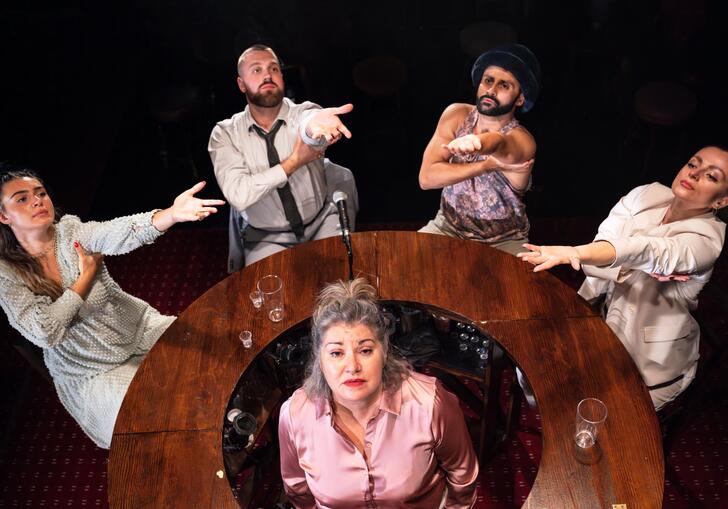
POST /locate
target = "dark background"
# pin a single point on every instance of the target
(114, 105)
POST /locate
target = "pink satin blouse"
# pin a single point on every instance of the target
(415, 448)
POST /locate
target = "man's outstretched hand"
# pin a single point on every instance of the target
(326, 124)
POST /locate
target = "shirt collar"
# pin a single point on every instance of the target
(391, 402)
(249, 121)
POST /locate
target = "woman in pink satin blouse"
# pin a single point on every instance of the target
(364, 430)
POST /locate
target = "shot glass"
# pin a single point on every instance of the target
(246, 338)
(271, 287)
(256, 297)
(590, 416)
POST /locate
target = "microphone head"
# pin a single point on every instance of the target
(339, 196)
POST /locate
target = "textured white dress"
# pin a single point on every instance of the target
(92, 348)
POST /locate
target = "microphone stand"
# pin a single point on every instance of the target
(351, 262)
(347, 242)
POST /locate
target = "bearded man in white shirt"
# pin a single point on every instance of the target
(269, 163)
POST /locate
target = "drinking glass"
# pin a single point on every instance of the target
(590, 416)
(246, 338)
(256, 298)
(271, 287)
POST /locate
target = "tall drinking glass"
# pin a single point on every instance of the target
(271, 288)
(590, 416)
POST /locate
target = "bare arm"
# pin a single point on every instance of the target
(436, 170)
(302, 155)
(512, 153)
(515, 147)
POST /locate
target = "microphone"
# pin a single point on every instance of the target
(340, 201)
(340, 198)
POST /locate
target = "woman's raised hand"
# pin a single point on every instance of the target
(88, 263)
(187, 207)
(546, 257)
(88, 266)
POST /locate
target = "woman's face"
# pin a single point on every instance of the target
(352, 360)
(26, 205)
(703, 181)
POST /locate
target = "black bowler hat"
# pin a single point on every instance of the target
(519, 61)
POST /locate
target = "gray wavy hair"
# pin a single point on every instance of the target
(350, 302)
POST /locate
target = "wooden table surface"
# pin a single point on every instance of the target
(167, 445)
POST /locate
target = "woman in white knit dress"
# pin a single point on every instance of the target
(57, 292)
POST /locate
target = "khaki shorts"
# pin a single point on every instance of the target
(439, 226)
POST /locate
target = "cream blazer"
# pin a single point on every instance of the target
(652, 318)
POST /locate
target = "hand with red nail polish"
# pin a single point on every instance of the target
(88, 266)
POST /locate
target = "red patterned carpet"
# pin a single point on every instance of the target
(47, 462)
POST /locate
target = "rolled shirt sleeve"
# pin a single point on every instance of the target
(306, 117)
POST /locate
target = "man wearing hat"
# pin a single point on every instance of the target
(482, 157)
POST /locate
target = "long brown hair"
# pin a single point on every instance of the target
(27, 267)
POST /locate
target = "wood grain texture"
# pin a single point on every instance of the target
(567, 360)
(168, 470)
(470, 278)
(167, 441)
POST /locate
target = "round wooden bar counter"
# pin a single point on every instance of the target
(167, 445)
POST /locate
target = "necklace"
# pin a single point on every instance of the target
(42, 254)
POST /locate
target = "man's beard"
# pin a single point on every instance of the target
(497, 109)
(267, 98)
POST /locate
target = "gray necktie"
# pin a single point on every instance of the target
(290, 209)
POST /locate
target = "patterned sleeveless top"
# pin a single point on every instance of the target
(487, 207)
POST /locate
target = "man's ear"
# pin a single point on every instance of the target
(520, 101)
(241, 84)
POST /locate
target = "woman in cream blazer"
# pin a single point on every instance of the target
(650, 259)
